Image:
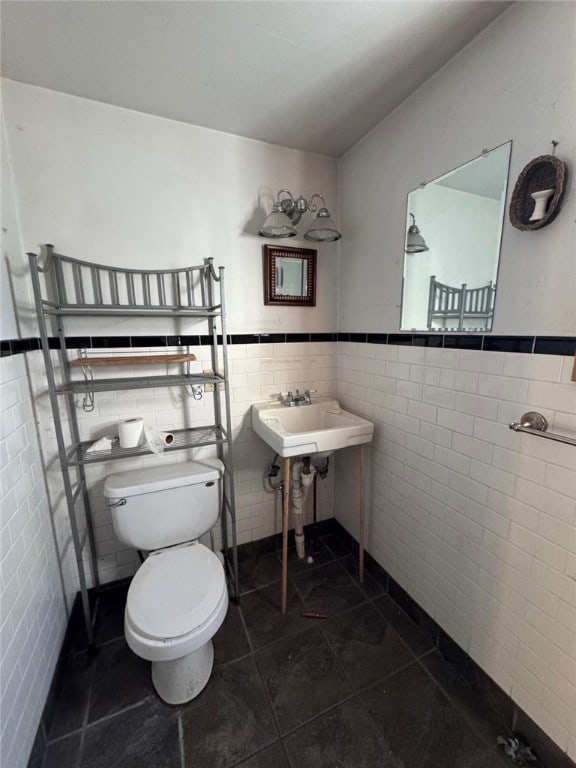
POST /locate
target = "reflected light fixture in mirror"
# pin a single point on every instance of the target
(287, 212)
(415, 243)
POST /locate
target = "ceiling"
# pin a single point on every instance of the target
(315, 76)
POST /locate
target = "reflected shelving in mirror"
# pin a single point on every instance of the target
(450, 284)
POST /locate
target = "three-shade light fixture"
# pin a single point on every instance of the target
(287, 212)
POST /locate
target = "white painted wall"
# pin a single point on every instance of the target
(473, 520)
(118, 187)
(121, 188)
(497, 89)
(32, 609)
(15, 289)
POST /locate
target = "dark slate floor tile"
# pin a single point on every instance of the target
(487, 690)
(329, 589)
(416, 638)
(315, 549)
(230, 642)
(271, 757)
(110, 621)
(546, 750)
(38, 749)
(376, 571)
(323, 527)
(302, 677)
(146, 736)
(340, 545)
(259, 547)
(264, 620)
(343, 737)
(366, 645)
(230, 719)
(426, 714)
(412, 609)
(418, 724)
(370, 586)
(76, 625)
(63, 753)
(494, 758)
(478, 715)
(69, 708)
(120, 680)
(258, 570)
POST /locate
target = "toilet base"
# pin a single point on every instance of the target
(181, 680)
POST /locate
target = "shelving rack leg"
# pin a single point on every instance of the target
(229, 505)
(70, 494)
(95, 290)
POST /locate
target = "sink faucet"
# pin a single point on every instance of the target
(299, 398)
(302, 399)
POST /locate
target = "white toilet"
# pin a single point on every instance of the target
(178, 598)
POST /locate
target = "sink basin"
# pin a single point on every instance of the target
(308, 429)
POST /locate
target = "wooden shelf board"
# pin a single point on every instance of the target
(131, 360)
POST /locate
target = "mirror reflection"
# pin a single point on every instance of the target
(291, 277)
(453, 233)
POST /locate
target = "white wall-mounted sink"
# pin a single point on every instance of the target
(307, 429)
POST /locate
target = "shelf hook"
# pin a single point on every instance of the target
(88, 373)
(554, 143)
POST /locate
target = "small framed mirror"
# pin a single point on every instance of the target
(452, 247)
(289, 276)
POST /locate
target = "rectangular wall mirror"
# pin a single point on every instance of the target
(452, 249)
(289, 276)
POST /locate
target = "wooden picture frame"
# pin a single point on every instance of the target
(289, 276)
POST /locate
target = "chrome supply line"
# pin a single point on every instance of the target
(534, 423)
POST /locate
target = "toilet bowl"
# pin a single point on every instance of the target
(176, 603)
(178, 598)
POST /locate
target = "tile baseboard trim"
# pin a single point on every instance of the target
(75, 635)
(74, 642)
(540, 345)
(548, 752)
(41, 739)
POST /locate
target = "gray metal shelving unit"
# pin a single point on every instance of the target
(69, 288)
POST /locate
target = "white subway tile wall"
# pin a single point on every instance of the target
(258, 371)
(476, 522)
(32, 611)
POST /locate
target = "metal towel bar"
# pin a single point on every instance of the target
(535, 424)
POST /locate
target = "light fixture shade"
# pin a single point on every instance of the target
(415, 243)
(323, 228)
(277, 225)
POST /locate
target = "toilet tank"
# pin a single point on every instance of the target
(160, 506)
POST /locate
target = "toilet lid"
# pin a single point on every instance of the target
(175, 591)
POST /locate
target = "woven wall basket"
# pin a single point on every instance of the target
(544, 172)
